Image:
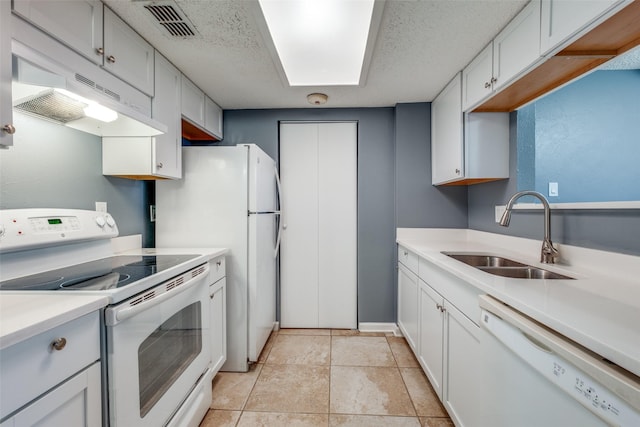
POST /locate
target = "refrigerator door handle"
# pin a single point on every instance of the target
(281, 218)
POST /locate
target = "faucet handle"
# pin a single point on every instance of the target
(548, 254)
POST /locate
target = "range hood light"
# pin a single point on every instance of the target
(91, 108)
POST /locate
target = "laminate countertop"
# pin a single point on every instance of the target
(599, 309)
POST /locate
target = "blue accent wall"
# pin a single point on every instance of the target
(586, 138)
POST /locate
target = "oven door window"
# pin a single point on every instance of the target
(166, 353)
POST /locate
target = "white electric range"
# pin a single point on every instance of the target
(156, 326)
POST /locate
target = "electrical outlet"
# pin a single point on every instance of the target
(499, 211)
(101, 207)
(152, 213)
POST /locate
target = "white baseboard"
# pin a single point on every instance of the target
(380, 327)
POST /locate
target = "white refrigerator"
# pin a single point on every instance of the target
(228, 198)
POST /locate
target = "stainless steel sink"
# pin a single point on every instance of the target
(505, 267)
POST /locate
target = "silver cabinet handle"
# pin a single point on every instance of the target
(9, 128)
(59, 343)
(487, 85)
(493, 80)
(218, 263)
(159, 165)
(111, 59)
(457, 171)
(100, 51)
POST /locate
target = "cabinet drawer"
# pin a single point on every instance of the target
(459, 293)
(408, 258)
(33, 366)
(217, 270)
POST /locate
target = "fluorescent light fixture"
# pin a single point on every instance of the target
(320, 42)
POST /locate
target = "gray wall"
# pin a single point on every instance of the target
(376, 226)
(610, 230)
(52, 166)
(418, 203)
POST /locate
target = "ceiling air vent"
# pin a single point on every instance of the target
(168, 16)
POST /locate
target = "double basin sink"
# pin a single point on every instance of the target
(504, 267)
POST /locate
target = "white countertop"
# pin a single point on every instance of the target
(24, 315)
(600, 309)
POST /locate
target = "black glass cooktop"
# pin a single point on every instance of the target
(106, 273)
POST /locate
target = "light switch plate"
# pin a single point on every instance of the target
(553, 189)
(499, 211)
(101, 207)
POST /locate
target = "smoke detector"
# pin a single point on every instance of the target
(317, 98)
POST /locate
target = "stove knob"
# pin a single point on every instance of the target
(110, 221)
(100, 221)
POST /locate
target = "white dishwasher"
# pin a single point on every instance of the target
(535, 377)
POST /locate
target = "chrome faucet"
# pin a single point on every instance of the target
(548, 254)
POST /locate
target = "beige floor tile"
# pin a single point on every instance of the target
(402, 352)
(220, 418)
(272, 419)
(422, 394)
(369, 390)
(361, 351)
(291, 388)
(231, 389)
(304, 332)
(436, 422)
(267, 347)
(355, 332)
(300, 350)
(337, 420)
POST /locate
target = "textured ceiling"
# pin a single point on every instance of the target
(421, 44)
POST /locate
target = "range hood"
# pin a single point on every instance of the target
(92, 103)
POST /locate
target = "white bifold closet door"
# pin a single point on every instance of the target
(318, 255)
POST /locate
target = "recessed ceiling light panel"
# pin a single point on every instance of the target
(320, 42)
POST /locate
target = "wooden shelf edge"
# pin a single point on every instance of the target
(192, 132)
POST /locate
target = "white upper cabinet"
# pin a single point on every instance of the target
(562, 19)
(97, 33)
(77, 23)
(6, 109)
(466, 148)
(517, 47)
(212, 117)
(192, 102)
(126, 54)
(165, 107)
(447, 133)
(514, 50)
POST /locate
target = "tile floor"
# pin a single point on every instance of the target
(323, 377)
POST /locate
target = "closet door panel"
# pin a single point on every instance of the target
(337, 225)
(299, 247)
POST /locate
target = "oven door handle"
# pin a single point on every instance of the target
(119, 313)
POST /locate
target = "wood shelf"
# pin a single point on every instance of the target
(613, 37)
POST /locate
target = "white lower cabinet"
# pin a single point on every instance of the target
(218, 313)
(435, 314)
(408, 305)
(53, 378)
(430, 355)
(75, 403)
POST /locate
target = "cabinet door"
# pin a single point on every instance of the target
(165, 107)
(447, 134)
(126, 54)
(76, 23)
(561, 19)
(477, 79)
(6, 109)
(192, 102)
(463, 389)
(517, 46)
(212, 117)
(431, 338)
(408, 305)
(218, 295)
(75, 403)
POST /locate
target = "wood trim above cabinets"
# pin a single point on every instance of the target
(613, 37)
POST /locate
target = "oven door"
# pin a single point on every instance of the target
(156, 351)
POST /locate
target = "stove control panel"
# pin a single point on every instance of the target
(22, 229)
